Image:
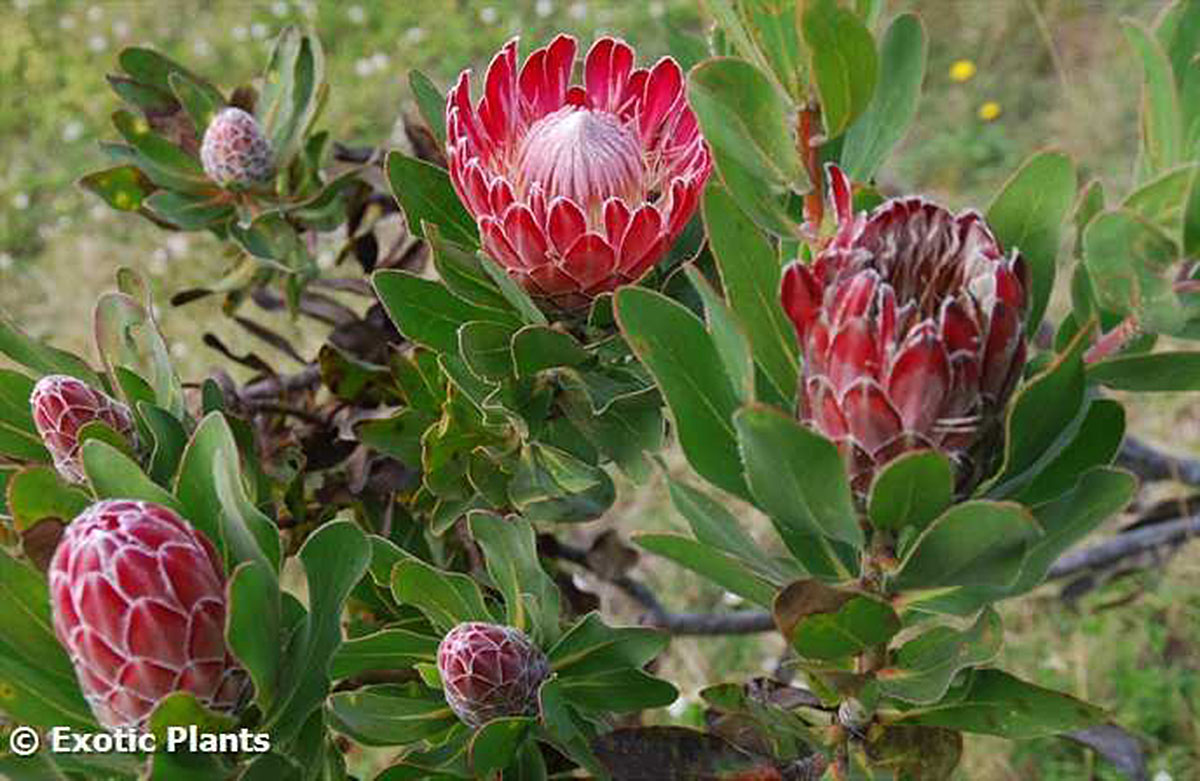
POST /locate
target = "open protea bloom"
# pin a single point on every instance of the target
(489, 671)
(577, 189)
(911, 325)
(61, 407)
(138, 597)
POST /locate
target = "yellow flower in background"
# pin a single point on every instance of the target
(989, 111)
(962, 70)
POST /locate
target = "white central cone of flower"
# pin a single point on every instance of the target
(588, 156)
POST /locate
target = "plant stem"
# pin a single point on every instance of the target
(809, 147)
(1120, 335)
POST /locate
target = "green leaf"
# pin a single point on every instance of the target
(21, 445)
(911, 490)
(166, 164)
(387, 649)
(628, 432)
(514, 293)
(564, 730)
(211, 488)
(15, 409)
(494, 746)
(744, 120)
(1156, 372)
(536, 348)
(750, 275)
(431, 103)
(447, 599)
(292, 93)
(727, 571)
(169, 440)
(38, 493)
(550, 484)
(1131, 263)
(922, 669)
(253, 628)
(798, 478)
(674, 345)
(200, 99)
(182, 709)
(335, 558)
(1028, 215)
(462, 271)
(716, 527)
(42, 358)
(425, 193)
(123, 187)
(510, 546)
(127, 337)
(391, 715)
(901, 70)
(1162, 126)
(996, 703)
(859, 624)
(844, 63)
(973, 543)
(1040, 417)
(190, 211)
(114, 475)
(429, 314)
(726, 335)
(1095, 443)
(487, 349)
(590, 646)
(1161, 200)
(35, 672)
(618, 691)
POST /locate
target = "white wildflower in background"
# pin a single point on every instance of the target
(178, 350)
(578, 11)
(6, 261)
(678, 708)
(20, 201)
(177, 244)
(67, 23)
(356, 14)
(121, 28)
(544, 8)
(258, 31)
(239, 33)
(362, 68)
(488, 15)
(94, 13)
(72, 131)
(97, 43)
(158, 262)
(415, 35)
(22, 5)
(1163, 775)
(202, 47)
(380, 61)
(657, 10)
(280, 9)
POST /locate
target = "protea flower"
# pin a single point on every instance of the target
(911, 325)
(235, 153)
(138, 597)
(577, 189)
(489, 671)
(61, 407)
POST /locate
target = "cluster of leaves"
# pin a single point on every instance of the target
(411, 475)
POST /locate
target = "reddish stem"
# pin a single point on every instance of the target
(1121, 334)
(809, 147)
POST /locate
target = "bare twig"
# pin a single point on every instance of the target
(307, 378)
(1149, 463)
(1124, 545)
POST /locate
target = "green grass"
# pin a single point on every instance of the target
(1059, 69)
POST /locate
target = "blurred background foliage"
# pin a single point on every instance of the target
(1006, 77)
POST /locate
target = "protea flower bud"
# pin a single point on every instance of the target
(489, 671)
(138, 597)
(911, 324)
(235, 153)
(577, 189)
(61, 407)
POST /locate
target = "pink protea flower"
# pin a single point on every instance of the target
(911, 325)
(489, 671)
(577, 189)
(138, 597)
(62, 406)
(235, 153)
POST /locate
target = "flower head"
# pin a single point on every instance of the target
(962, 70)
(490, 671)
(577, 188)
(61, 407)
(235, 153)
(911, 324)
(138, 597)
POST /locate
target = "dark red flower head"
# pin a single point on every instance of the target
(62, 406)
(138, 597)
(489, 671)
(577, 188)
(911, 325)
